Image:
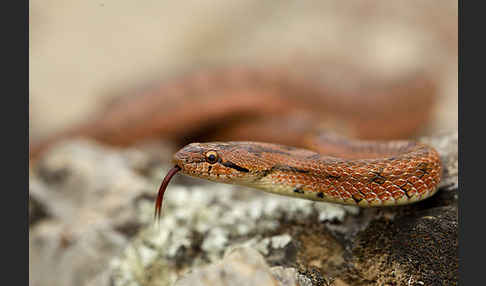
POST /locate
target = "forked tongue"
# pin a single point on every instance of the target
(163, 186)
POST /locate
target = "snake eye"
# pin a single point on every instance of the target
(211, 157)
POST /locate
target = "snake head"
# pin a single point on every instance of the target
(235, 162)
(220, 162)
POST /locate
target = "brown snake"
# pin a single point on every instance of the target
(271, 106)
(406, 172)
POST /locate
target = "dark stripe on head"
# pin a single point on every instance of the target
(234, 166)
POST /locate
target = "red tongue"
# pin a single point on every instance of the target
(163, 186)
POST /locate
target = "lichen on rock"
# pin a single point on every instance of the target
(99, 205)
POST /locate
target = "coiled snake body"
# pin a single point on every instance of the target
(269, 106)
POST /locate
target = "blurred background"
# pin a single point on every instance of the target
(85, 53)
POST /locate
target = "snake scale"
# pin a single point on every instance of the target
(290, 113)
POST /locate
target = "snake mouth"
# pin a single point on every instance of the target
(188, 156)
(178, 163)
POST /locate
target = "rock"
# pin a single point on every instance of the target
(97, 200)
(242, 266)
(420, 249)
(289, 276)
(37, 211)
(199, 224)
(88, 194)
(98, 224)
(320, 244)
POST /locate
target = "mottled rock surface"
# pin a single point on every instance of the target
(419, 248)
(242, 266)
(92, 224)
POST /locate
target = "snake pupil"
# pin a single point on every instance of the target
(212, 157)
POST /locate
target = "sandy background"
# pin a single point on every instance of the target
(84, 52)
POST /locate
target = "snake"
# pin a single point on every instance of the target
(380, 174)
(269, 130)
